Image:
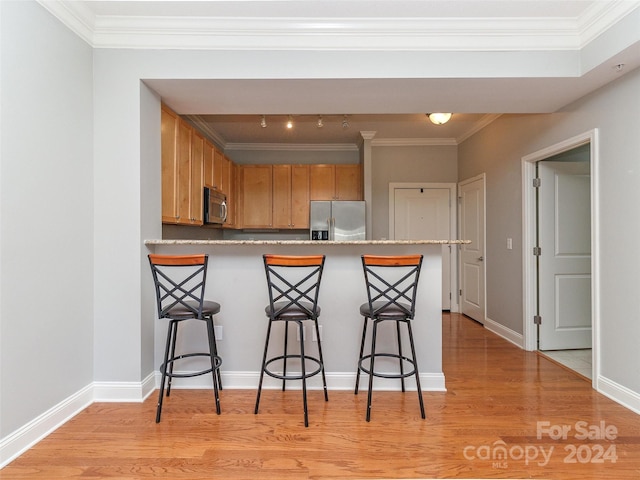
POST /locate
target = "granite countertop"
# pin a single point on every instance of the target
(304, 242)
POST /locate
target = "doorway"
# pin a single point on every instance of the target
(560, 250)
(419, 211)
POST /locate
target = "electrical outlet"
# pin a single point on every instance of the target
(315, 337)
(304, 333)
(217, 332)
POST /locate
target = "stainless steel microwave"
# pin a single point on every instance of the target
(215, 206)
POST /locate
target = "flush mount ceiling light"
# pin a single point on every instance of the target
(289, 123)
(263, 122)
(439, 118)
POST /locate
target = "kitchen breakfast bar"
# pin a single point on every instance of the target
(236, 280)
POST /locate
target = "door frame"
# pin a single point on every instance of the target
(529, 240)
(453, 227)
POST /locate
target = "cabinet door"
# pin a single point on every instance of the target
(256, 194)
(169, 137)
(208, 164)
(183, 167)
(218, 162)
(300, 196)
(229, 188)
(321, 182)
(348, 182)
(281, 196)
(196, 202)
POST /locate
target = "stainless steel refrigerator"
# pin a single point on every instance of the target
(338, 220)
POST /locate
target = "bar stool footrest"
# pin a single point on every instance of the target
(407, 360)
(291, 376)
(216, 359)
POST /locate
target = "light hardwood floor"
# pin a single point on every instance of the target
(496, 396)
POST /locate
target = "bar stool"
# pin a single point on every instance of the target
(391, 283)
(293, 283)
(179, 283)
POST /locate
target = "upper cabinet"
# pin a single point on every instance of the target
(229, 182)
(274, 196)
(189, 163)
(335, 182)
(182, 171)
(290, 196)
(258, 196)
(255, 194)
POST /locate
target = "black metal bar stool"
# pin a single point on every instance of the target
(391, 283)
(293, 283)
(179, 282)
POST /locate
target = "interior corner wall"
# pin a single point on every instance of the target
(429, 164)
(498, 149)
(46, 214)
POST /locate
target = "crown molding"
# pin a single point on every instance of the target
(204, 128)
(360, 34)
(413, 142)
(601, 16)
(479, 125)
(315, 147)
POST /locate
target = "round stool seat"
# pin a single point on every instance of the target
(181, 311)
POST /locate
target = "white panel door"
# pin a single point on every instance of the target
(472, 264)
(425, 213)
(564, 266)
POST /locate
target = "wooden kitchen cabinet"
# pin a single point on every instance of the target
(335, 182)
(218, 163)
(229, 189)
(255, 193)
(322, 182)
(196, 194)
(348, 182)
(290, 196)
(169, 136)
(300, 196)
(182, 153)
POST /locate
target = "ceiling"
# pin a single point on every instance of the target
(542, 55)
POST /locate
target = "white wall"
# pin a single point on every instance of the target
(46, 214)
(498, 150)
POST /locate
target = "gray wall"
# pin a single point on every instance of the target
(498, 150)
(428, 164)
(46, 214)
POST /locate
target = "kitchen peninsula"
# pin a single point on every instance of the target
(236, 280)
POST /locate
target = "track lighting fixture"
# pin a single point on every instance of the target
(439, 118)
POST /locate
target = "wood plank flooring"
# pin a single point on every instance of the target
(484, 426)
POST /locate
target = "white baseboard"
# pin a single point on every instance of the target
(433, 382)
(14, 444)
(514, 337)
(618, 393)
(124, 391)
